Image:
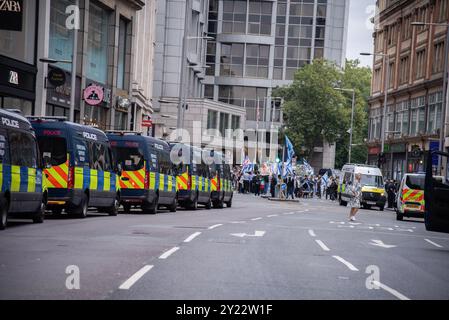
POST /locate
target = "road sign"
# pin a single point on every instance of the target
(147, 123)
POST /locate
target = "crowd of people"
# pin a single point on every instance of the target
(290, 187)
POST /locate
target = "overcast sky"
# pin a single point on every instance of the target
(360, 30)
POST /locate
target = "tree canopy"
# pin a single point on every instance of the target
(315, 112)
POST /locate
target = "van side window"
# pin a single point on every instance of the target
(100, 158)
(23, 149)
(54, 149)
(81, 151)
(4, 154)
(348, 178)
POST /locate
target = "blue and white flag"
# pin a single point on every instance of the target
(325, 179)
(290, 151)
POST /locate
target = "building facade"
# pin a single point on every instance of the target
(179, 72)
(105, 60)
(259, 45)
(415, 83)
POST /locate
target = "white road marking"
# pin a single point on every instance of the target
(136, 276)
(255, 219)
(272, 215)
(346, 263)
(192, 236)
(215, 226)
(380, 243)
(168, 253)
(289, 213)
(398, 295)
(256, 234)
(435, 244)
(322, 245)
(235, 222)
(312, 234)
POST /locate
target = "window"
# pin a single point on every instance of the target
(438, 57)
(404, 70)
(418, 113)
(257, 60)
(372, 181)
(99, 156)
(130, 158)
(434, 116)
(392, 34)
(97, 44)
(224, 123)
(252, 98)
(234, 16)
(81, 153)
(209, 91)
(391, 71)
(406, 32)
(165, 165)
(231, 60)
(377, 80)
(61, 38)
(22, 149)
(402, 117)
(122, 48)
(235, 122)
(420, 64)
(259, 18)
(421, 16)
(210, 57)
(442, 10)
(4, 151)
(53, 150)
(212, 119)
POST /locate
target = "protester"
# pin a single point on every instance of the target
(354, 203)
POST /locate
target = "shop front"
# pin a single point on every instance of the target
(415, 162)
(397, 160)
(97, 98)
(17, 85)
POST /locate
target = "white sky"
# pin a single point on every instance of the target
(360, 30)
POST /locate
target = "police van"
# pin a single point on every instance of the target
(148, 177)
(22, 193)
(78, 167)
(193, 175)
(221, 181)
(373, 188)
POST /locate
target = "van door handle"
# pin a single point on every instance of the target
(124, 178)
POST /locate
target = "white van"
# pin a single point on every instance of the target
(373, 188)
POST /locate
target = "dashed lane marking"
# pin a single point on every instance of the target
(272, 215)
(433, 243)
(255, 219)
(346, 263)
(322, 245)
(312, 233)
(168, 253)
(215, 226)
(395, 293)
(192, 236)
(135, 277)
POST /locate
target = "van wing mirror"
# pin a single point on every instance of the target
(46, 162)
(119, 169)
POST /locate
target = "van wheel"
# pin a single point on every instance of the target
(152, 208)
(40, 215)
(4, 214)
(229, 203)
(174, 205)
(81, 210)
(113, 210)
(399, 216)
(56, 211)
(381, 208)
(208, 204)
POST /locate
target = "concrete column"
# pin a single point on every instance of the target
(43, 39)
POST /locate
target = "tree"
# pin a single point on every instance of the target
(315, 112)
(312, 108)
(358, 78)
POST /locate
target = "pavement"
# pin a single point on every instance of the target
(255, 250)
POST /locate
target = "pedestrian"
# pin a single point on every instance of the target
(241, 184)
(256, 181)
(290, 187)
(273, 184)
(354, 202)
(318, 186)
(391, 193)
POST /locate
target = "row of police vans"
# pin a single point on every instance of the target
(47, 163)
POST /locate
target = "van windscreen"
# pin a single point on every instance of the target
(53, 149)
(131, 158)
(415, 182)
(372, 181)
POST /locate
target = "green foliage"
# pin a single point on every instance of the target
(314, 110)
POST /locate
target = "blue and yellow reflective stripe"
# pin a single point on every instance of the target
(15, 178)
(79, 173)
(106, 181)
(31, 187)
(1, 176)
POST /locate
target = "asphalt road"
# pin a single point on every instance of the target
(255, 250)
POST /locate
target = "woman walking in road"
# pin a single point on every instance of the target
(354, 203)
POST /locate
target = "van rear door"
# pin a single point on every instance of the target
(436, 194)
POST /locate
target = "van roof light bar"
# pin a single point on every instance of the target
(58, 118)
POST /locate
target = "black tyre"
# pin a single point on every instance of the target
(81, 210)
(113, 210)
(194, 204)
(381, 208)
(366, 206)
(4, 207)
(40, 215)
(174, 206)
(208, 204)
(151, 208)
(399, 216)
(229, 203)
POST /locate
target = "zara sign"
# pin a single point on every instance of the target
(11, 12)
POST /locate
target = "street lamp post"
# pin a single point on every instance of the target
(445, 80)
(387, 76)
(352, 120)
